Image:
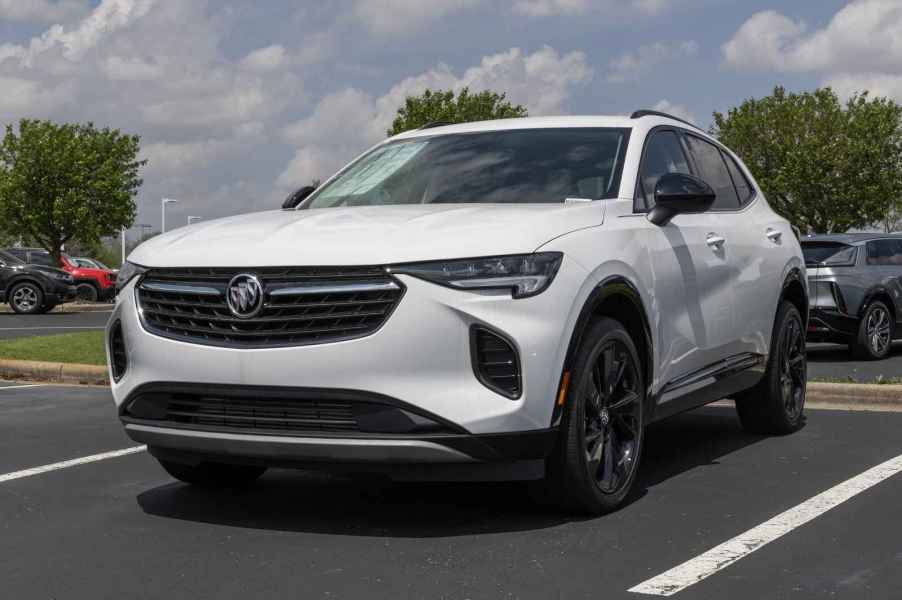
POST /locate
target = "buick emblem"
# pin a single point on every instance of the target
(245, 295)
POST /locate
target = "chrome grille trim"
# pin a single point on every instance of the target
(302, 306)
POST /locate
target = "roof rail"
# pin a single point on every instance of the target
(656, 113)
(432, 124)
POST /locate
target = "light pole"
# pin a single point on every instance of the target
(163, 204)
(194, 220)
(123, 246)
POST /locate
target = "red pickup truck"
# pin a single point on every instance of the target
(92, 285)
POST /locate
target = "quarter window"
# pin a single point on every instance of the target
(885, 253)
(663, 154)
(713, 170)
(743, 187)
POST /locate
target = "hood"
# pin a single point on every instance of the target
(369, 235)
(43, 269)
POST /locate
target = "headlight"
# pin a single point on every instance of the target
(62, 277)
(128, 272)
(524, 275)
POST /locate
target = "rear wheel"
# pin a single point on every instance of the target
(87, 292)
(26, 298)
(213, 475)
(776, 405)
(594, 464)
(875, 332)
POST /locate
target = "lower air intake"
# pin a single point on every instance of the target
(118, 355)
(495, 362)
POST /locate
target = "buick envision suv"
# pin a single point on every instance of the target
(511, 299)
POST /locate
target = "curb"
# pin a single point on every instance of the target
(69, 309)
(853, 393)
(52, 372)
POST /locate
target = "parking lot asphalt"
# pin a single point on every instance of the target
(835, 362)
(14, 326)
(121, 527)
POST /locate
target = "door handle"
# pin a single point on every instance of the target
(715, 241)
(773, 235)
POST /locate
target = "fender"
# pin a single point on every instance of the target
(795, 275)
(869, 297)
(23, 279)
(614, 285)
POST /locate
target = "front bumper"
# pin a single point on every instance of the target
(60, 294)
(421, 356)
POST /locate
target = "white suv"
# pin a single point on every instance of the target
(512, 299)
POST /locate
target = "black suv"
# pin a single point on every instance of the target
(33, 289)
(855, 286)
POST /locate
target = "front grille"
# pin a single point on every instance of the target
(300, 305)
(274, 410)
(495, 362)
(118, 355)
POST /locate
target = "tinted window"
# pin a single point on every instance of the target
(743, 187)
(828, 253)
(885, 252)
(513, 166)
(41, 258)
(9, 259)
(18, 253)
(663, 154)
(713, 170)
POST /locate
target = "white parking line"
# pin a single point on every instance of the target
(19, 387)
(70, 463)
(722, 556)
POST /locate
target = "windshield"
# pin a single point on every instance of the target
(828, 253)
(513, 166)
(9, 259)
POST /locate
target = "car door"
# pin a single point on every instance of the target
(884, 263)
(694, 297)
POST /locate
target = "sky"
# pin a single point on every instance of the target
(239, 102)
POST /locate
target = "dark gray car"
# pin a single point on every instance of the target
(855, 285)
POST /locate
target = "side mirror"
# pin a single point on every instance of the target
(677, 193)
(297, 197)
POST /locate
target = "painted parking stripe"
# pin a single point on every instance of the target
(19, 387)
(70, 463)
(722, 556)
(43, 328)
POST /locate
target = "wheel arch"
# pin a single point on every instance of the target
(618, 298)
(24, 279)
(878, 292)
(795, 291)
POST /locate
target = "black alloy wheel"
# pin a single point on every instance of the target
(875, 333)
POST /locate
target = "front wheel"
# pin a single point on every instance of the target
(26, 298)
(776, 405)
(594, 463)
(213, 475)
(86, 292)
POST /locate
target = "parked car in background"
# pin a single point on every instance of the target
(33, 289)
(93, 284)
(856, 290)
(90, 263)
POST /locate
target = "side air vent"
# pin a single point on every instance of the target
(118, 356)
(495, 362)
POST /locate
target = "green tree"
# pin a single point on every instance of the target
(445, 106)
(67, 182)
(824, 165)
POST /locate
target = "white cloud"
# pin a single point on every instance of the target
(345, 123)
(41, 11)
(677, 110)
(27, 98)
(265, 59)
(388, 17)
(632, 65)
(547, 8)
(859, 49)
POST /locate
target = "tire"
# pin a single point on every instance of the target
(87, 292)
(875, 333)
(776, 406)
(213, 475)
(46, 308)
(26, 298)
(594, 463)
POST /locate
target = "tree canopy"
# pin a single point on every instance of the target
(446, 106)
(66, 182)
(824, 165)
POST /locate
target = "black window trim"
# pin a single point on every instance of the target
(690, 160)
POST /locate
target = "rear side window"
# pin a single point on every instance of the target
(885, 253)
(833, 254)
(713, 170)
(41, 258)
(663, 154)
(743, 188)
